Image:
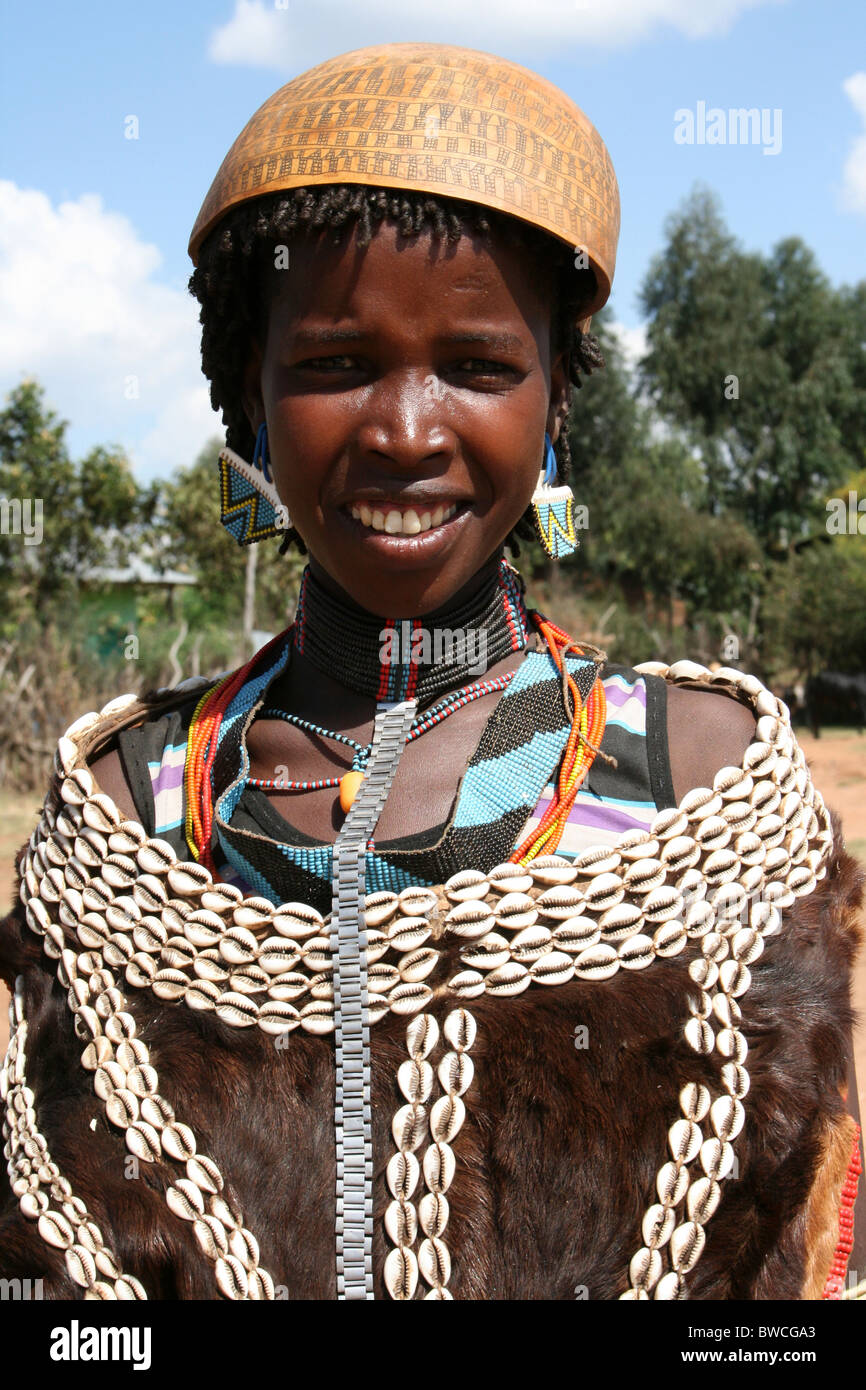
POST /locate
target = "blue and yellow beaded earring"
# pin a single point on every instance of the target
(553, 509)
(250, 506)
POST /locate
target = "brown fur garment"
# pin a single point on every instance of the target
(557, 1158)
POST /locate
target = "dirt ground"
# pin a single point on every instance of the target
(838, 763)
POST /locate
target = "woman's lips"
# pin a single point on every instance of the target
(406, 549)
(401, 521)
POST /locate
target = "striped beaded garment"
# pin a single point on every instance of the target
(507, 780)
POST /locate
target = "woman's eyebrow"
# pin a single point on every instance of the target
(501, 342)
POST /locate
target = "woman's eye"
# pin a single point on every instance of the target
(325, 363)
(481, 364)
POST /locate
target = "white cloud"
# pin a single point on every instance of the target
(83, 312)
(291, 39)
(854, 172)
(632, 341)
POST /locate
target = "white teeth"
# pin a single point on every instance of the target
(408, 523)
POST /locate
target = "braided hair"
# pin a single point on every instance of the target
(231, 284)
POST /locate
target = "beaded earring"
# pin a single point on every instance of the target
(553, 509)
(250, 506)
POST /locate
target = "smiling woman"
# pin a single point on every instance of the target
(428, 955)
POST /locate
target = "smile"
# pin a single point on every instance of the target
(394, 522)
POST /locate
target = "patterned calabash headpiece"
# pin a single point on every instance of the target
(446, 120)
(434, 117)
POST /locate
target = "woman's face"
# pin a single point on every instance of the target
(406, 388)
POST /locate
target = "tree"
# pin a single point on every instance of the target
(58, 519)
(758, 360)
(193, 540)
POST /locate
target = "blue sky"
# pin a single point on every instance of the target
(94, 226)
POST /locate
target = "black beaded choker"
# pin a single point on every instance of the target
(411, 658)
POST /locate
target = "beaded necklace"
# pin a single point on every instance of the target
(350, 781)
(412, 658)
(587, 726)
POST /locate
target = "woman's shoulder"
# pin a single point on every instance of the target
(709, 717)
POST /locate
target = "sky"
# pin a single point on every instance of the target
(94, 225)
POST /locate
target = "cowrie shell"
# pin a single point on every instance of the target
(439, 1166)
(407, 934)
(554, 968)
(237, 1009)
(211, 1237)
(466, 886)
(238, 946)
(409, 1127)
(456, 1071)
(717, 1159)
(204, 1173)
(687, 1243)
(380, 908)
(278, 955)
(576, 934)
(417, 902)
(636, 952)
(188, 879)
(417, 965)
(446, 1118)
(422, 1035)
(597, 963)
(510, 878)
(156, 1112)
(531, 943)
(143, 1140)
(185, 1200)
(289, 986)
(467, 984)
(402, 1175)
(55, 1230)
(672, 1184)
(703, 1199)
(657, 1224)
(486, 953)
(401, 1273)
(318, 1017)
(122, 1108)
(434, 1261)
(401, 1222)
(415, 1079)
(169, 984)
(231, 1277)
(81, 1266)
(201, 995)
(511, 978)
(408, 998)
(178, 1141)
(469, 919)
(550, 870)
(433, 1213)
(278, 1016)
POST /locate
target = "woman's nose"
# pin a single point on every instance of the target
(405, 420)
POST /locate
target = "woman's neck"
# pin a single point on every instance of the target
(407, 657)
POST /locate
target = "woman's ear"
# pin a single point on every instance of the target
(251, 388)
(559, 384)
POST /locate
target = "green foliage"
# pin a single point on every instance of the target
(90, 513)
(761, 363)
(194, 541)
